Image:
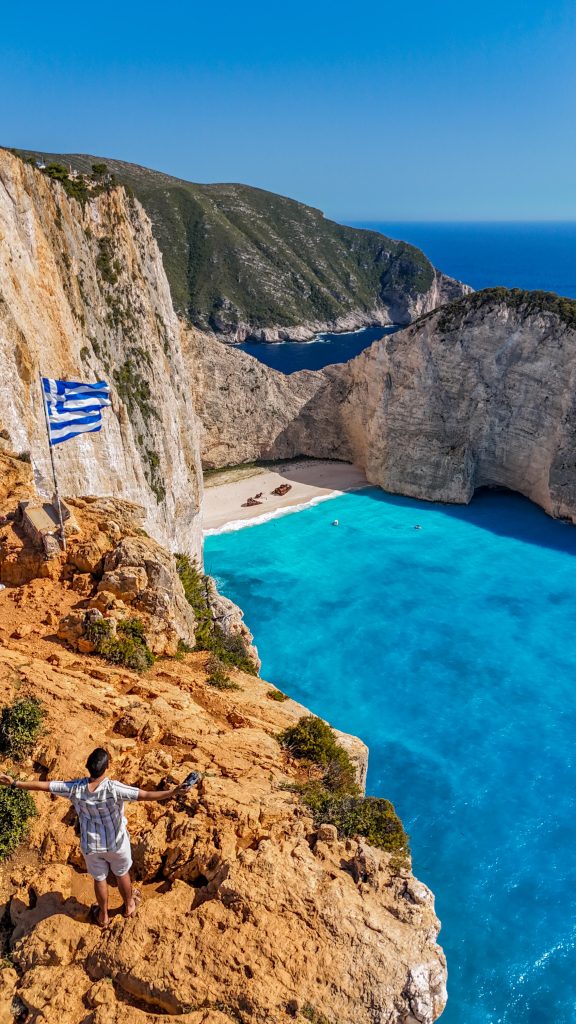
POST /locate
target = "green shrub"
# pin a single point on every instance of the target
(24, 457)
(312, 739)
(229, 648)
(104, 262)
(133, 628)
(335, 798)
(20, 725)
(311, 1014)
(195, 591)
(127, 647)
(277, 695)
(218, 676)
(16, 809)
(371, 817)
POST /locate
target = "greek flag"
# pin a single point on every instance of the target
(73, 408)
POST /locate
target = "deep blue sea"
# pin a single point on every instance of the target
(516, 255)
(450, 650)
(324, 349)
(533, 255)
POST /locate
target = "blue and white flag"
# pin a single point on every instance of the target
(74, 408)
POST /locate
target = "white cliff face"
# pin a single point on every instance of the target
(83, 296)
(472, 396)
(479, 393)
(249, 411)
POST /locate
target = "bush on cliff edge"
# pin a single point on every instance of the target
(229, 648)
(335, 798)
(20, 725)
(127, 647)
(16, 809)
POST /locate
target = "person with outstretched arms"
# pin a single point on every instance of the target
(104, 840)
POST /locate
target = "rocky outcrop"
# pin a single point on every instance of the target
(83, 295)
(249, 411)
(477, 393)
(249, 910)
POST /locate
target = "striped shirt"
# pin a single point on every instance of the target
(101, 812)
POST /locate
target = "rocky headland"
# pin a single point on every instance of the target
(478, 393)
(247, 263)
(251, 910)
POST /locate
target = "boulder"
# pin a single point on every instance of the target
(144, 575)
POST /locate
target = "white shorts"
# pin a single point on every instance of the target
(120, 861)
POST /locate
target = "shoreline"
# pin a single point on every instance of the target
(311, 482)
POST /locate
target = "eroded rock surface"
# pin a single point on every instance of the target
(249, 911)
(479, 394)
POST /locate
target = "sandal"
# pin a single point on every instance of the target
(95, 917)
(137, 897)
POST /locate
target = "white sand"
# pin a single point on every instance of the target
(311, 481)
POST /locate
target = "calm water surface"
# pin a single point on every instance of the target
(450, 651)
(324, 349)
(533, 255)
(523, 255)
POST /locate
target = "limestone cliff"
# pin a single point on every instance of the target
(477, 393)
(83, 295)
(250, 912)
(249, 411)
(480, 394)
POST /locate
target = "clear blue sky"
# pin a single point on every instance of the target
(368, 110)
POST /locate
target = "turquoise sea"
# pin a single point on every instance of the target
(450, 651)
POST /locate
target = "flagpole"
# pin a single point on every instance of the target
(56, 489)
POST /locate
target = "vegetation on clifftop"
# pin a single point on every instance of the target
(20, 726)
(333, 795)
(235, 254)
(229, 649)
(526, 303)
(127, 646)
(16, 809)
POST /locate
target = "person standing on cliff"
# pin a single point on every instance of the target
(104, 840)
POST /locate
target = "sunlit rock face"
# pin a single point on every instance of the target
(83, 295)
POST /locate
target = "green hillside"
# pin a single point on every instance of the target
(235, 254)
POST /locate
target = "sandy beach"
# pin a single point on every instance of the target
(310, 481)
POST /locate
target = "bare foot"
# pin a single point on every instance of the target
(131, 907)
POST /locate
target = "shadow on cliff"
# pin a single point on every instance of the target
(316, 431)
(497, 510)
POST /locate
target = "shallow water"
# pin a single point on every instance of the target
(450, 651)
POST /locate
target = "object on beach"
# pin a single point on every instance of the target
(335, 522)
(250, 503)
(260, 494)
(2, 586)
(282, 489)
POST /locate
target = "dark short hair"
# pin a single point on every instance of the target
(97, 762)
